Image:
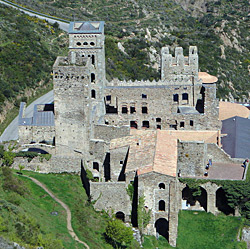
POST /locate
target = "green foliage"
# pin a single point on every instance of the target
(144, 215)
(8, 158)
(220, 23)
(89, 175)
(118, 234)
(88, 224)
(12, 183)
(26, 55)
(130, 190)
(152, 242)
(1, 151)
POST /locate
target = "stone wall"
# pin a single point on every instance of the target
(117, 160)
(57, 164)
(107, 133)
(191, 158)
(28, 134)
(111, 196)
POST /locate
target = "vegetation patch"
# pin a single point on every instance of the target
(204, 230)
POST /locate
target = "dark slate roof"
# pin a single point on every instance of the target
(86, 27)
(41, 117)
(237, 141)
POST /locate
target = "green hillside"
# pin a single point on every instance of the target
(28, 48)
(30, 217)
(220, 29)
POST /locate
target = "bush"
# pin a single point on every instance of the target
(118, 234)
(12, 183)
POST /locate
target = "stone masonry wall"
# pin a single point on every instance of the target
(191, 158)
(57, 164)
(107, 133)
(29, 134)
(111, 196)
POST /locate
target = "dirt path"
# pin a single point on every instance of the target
(69, 226)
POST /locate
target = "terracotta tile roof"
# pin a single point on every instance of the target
(228, 110)
(207, 78)
(157, 150)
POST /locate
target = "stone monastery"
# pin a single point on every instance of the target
(144, 133)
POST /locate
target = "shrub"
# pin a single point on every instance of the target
(12, 183)
(118, 234)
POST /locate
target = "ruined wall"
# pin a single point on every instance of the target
(111, 196)
(191, 158)
(28, 134)
(117, 160)
(149, 103)
(57, 164)
(107, 133)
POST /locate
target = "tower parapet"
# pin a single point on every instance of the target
(183, 66)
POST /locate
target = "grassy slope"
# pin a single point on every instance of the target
(88, 224)
(223, 23)
(204, 230)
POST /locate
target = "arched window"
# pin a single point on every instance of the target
(85, 43)
(92, 43)
(184, 96)
(93, 94)
(96, 166)
(162, 185)
(158, 119)
(161, 205)
(78, 44)
(92, 77)
(175, 97)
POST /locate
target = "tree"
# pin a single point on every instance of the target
(118, 234)
(144, 215)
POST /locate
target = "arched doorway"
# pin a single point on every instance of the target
(120, 216)
(222, 203)
(162, 227)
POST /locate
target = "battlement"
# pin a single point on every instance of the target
(177, 80)
(183, 66)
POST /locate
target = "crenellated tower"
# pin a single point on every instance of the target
(179, 65)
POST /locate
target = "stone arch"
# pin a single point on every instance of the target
(120, 215)
(161, 185)
(162, 227)
(162, 205)
(222, 202)
(192, 200)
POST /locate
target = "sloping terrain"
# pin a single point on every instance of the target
(220, 29)
(28, 48)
